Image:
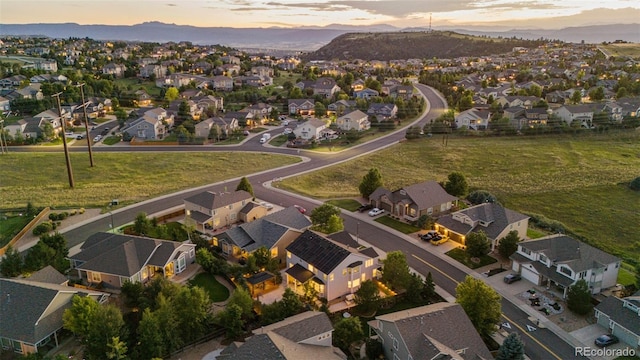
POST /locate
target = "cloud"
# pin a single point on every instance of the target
(172, 5)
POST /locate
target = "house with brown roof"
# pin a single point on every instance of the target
(411, 202)
(31, 312)
(303, 336)
(333, 269)
(436, 331)
(491, 218)
(211, 210)
(561, 260)
(110, 260)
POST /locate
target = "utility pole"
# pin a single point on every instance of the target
(64, 141)
(3, 139)
(86, 124)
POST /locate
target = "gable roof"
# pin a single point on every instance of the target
(497, 216)
(563, 249)
(30, 310)
(211, 200)
(425, 195)
(428, 330)
(614, 308)
(318, 251)
(124, 255)
(48, 275)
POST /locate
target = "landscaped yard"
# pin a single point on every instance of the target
(398, 225)
(577, 180)
(347, 204)
(128, 177)
(278, 140)
(111, 140)
(10, 226)
(462, 257)
(535, 233)
(217, 292)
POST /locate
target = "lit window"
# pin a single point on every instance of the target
(288, 255)
(368, 263)
(311, 268)
(331, 277)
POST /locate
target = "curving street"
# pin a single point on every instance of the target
(539, 344)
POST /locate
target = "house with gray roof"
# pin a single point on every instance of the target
(110, 260)
(354, 120)
(31, 313)
(473, 119)
(304, 107)
(621, 317)
(436, 331)
(48, 275)
(562, 260)
(213, 210)
(331, 268)
(493, 219)
(303, 336)
(274, 231)
(411, 202)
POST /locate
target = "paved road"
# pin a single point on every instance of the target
(540, 344)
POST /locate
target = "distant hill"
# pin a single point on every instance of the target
(308, 38)
(412, 45)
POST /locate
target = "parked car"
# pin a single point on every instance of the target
(97, 138)
(365, 207)
(300, 208)
(428, 235)
(375, 212)
(245, 133)
(267, 205)
(438, 239)
(80, 137)
(606, 340)
(511, 278)
(288, 130)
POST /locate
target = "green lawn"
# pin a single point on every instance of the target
(533, 233)
(129, 177)
(217, 292)
(462, 257)
(279, 140)
(347, 204)
(626, 277)
(111, 140)
(398, 225)
(579, 180)
(11, 226)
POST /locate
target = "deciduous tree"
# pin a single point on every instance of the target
(395, 270)
(457, 185)
(508, 244)
(481, 304)
(346, 331)
(367, 297)
(370, 182)
(579, 298)
(477, 244)
(321, 218)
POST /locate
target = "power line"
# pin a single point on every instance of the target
(64, 141)
(86, 124)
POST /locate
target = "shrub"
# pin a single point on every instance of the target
(42, 228)
(635, 184)
(81, 211)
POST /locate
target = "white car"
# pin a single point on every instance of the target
(288, 130)
(97, 138)
(375, 212)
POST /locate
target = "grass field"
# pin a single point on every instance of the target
(398, 225)
(462, 257)
(577, 180)
(10, 226)
(130, 177)
(630, 49)
(347, 204)
(217, 292)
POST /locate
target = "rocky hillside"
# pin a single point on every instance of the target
(414, 45)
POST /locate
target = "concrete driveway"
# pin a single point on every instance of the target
(588, 334)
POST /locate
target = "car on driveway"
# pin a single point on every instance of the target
(375, 212)
(606, 340)
(300, 208)
(428, 235)
(511, 278)
(438, 239)
(365, 207)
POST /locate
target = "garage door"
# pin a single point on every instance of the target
(530, 275)
(386, 207)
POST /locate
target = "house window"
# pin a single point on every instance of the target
(395, 344)
(331, 277)
(231, 207)
(344, 272)
(311, 268)
(543, 259)
(583, 274)
(368, 263)
(274, 252)
(233, 216)
(6, 343)
(17, 346)
(192, 253)
(525, 250)
(565, 271)
(95, 277)
(288, 255)
(429, 211)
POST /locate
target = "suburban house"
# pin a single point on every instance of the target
(154, 124)
(526, 102)
(474, 119)
(341, 107)
(561, 260)
(411, 202)
(310, 129)
(222, 83)
(5, 105)
(331, 268)
(110, 260)
(303, 336)
(491, 218)
(437, 331)
(142, 98)
(357, 85)
(355, 120)
(117, 70)
(258, 113)
(31, 313)
(621, 317)
(213, 210)
(365, 94)
(583, 114)
(382, 111)
(304, 107)
(223, 126)
(402, 91)
(274, 231)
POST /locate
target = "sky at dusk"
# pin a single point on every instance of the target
(293, 13)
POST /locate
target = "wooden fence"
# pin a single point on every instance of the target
(25, 229)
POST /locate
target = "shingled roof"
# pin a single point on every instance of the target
(495, 215)
(324, 254)
(425, 195)
(212, 200)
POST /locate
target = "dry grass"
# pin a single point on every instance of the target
(576, 180)
(130, 177)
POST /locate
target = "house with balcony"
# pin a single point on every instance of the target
(621, 317)
(411, 202)
(355, 120)
(437, 331)
(493, 219)
(559, 260)
(331, 268)
(473, 119)
(581, 114)
(212, 210)
(109, 260)
(153, 125)
(274, 231)
(304, 107)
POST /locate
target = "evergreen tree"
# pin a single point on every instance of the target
(370, 182)
(245, 185)
(429, 287)
(11, 264)
(511, 349)
(579, 298)
(508, 244)
(457, 185)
